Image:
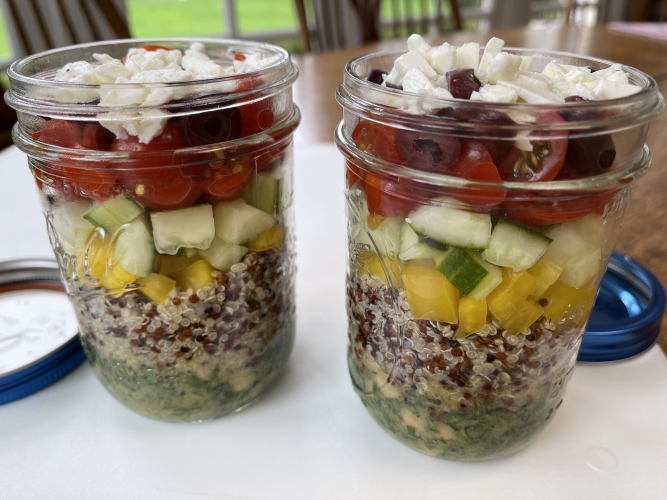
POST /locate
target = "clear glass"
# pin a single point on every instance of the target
(467, 297)
(178, 254)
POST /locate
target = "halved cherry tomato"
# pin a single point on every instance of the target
(150, 173)
(96, 179)
(390, 198)
(475, 163)
(532, 209)
(354, 175)
(544, 162)
(62, 133)
(226, 180)
(377, 140)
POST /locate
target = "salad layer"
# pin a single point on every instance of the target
(199, 354)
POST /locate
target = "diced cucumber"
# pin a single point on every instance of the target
(472, 276)
(114, 212)
(223, 255)
(580, 259)
(186, 253)
(513, 245)
(415, 247)
(134, 249)
(238, 223)
(271, 192)
(386, 238)
(191, 227)
(71, 228)
(452, 226)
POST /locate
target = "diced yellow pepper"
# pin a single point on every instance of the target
(472, 316)
(116, 280)
(271, 238)
(565, 302)
(527, 312)
(429, 293)
(196, 276)
(546, 273)
(372, 265)
(515, 288)
(157, 287)
(97, 259)
(171, 266)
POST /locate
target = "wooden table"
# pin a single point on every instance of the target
(644, 232)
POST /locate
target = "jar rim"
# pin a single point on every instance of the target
(610, 180)
(35, 95)
(625, 112)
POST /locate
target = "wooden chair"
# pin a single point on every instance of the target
(36, 25)
(339, 23)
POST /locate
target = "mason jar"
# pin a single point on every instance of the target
(169, 208)
(474, 265)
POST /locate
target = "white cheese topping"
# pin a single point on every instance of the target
(144, 66)
(504, 77)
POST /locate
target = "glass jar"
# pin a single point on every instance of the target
(169, 209)
(467, 295)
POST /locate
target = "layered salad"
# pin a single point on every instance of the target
(179, 261)
(467, 305)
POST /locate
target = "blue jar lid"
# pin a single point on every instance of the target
(39, 341)
(626, 318)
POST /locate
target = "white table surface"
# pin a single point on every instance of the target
(310, 438)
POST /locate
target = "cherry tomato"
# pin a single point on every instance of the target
(94, 178)
(226, 180)
(544, 162)
(390, 198)
(62, 133)
(532, 209)
(377, 140)
(153, 48)
(475, 163)
(150, 173)
(354, 175)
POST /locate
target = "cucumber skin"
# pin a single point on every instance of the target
(99, 216)
(480, 277)
(416, 246)
(443, 224)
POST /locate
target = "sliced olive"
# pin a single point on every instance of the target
(590, 154)
(212, 127)
(376, 76)
(428, 152)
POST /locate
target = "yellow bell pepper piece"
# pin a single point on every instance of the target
(97, 259)
(429, 294)
(116, 280)
(472, 316)
(526, 313)
(157, 287)
(372, 265)
(171, 266)
(271, 238)
(546, 273)
(196, 276)
(516, 287)
(564, 302)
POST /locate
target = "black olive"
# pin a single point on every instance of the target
(574, 98)
(429, 152)
(462, 83)
(487, 118)
(376, 76)
(212, 127)
(589, 155)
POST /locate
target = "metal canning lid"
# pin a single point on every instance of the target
(39, 341)
(626, 318)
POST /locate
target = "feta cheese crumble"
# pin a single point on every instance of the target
(503, 77)
(117, 81)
